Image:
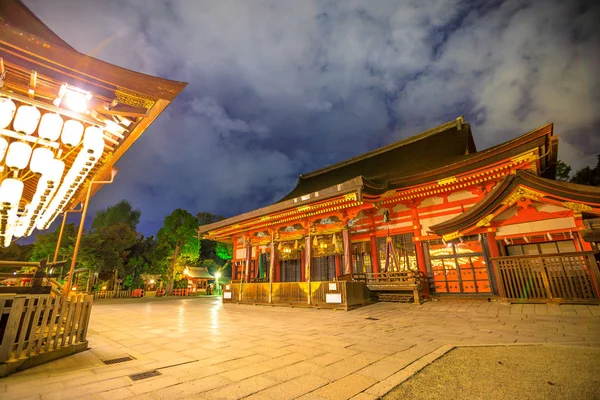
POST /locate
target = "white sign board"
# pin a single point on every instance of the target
(333, 286)
(333, 298)
(227, 295)
(227, 287)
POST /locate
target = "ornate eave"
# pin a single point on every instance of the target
(522, 186)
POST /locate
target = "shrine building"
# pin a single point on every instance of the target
(490, 223)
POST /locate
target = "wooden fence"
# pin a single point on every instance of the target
(112, 294)
(337, 295)
(40, 328)
(564, 276)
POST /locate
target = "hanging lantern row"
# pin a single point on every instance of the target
(53, 192)
(546, 237)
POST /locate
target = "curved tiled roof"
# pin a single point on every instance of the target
(431, 149)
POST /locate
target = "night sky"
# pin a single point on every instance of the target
(277, 88)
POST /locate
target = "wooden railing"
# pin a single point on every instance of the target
(562, 276)
(112, 294)
(40, 328)
(341, 294)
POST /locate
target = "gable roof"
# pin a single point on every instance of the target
(442, 145)
(199, 273)
(585, 198)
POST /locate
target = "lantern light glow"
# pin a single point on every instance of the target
(18, 155)
(7, 112)
(50, 126)
(26, 120)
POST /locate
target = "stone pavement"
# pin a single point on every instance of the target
(206, 350)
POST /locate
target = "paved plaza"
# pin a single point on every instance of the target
(206, 350)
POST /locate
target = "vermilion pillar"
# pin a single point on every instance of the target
(347, 250)
(277, 265)
(422, 267)
(492, 244)
(419, 250)
(248, 260)
(374, 255)
(494, 252)
(302, 269)
(338, 265)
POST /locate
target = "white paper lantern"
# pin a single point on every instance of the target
(3, 147)
(50, 126)
(94, 140)
(7, 112)
(54, 170)
(27, 119)
(11, 191)
(40, 159)
(72, 132)
(18, 155)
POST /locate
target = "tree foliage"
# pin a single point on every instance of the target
(122, 212)
(585, 176)
(16, 252)
(113, 248)
(45, 244)
(563, 171)
(179, 234)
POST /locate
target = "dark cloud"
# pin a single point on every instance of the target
(282, 87)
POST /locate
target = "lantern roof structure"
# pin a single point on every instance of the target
(65, 119)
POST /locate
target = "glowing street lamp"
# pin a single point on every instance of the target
(217, 276)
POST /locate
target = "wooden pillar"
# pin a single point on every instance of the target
(271, 271)
(307, 264)
(585, 246)
(419, 250)
(422, 267)
(494, 249)
(278, 269)
(248, 261)
(374, 255)
(492, 244)
(347, 255)
(338, 265)
(302, 269)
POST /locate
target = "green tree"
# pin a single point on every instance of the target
(224, 251)
(45, 244)
(179, 234)
(208, 248)
(121, 212)
(107, 245)
(147, 256)
(563, 171)
(588, 176)
(16, 252)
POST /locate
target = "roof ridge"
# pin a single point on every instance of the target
(402, 142)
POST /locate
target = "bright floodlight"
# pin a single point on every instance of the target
(74, 98)
(218, 275)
